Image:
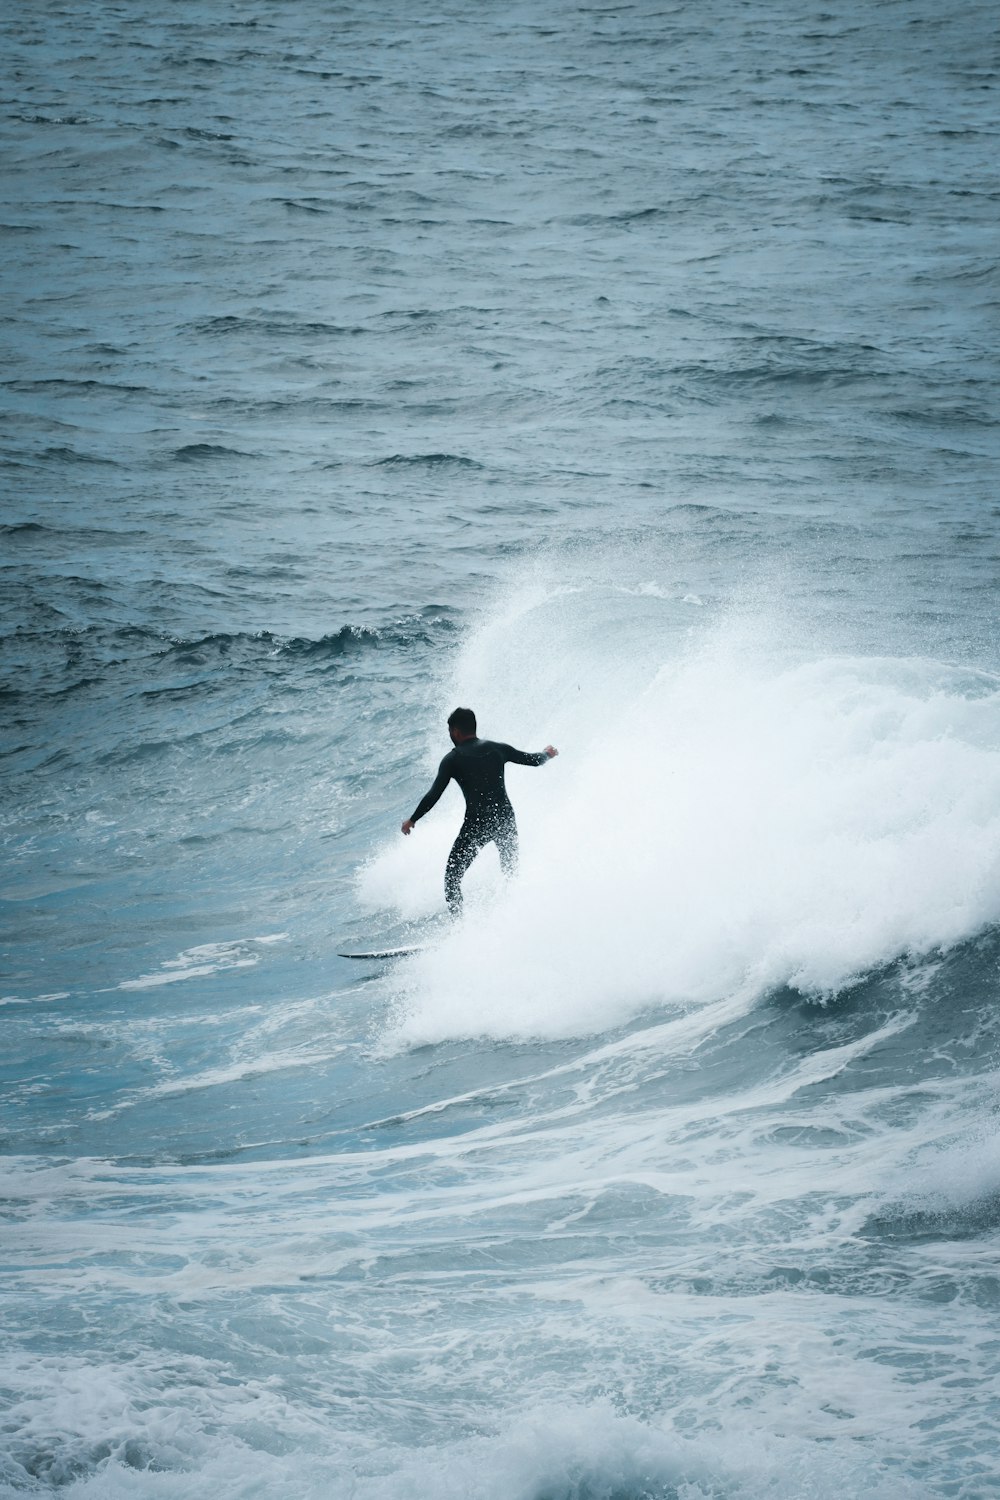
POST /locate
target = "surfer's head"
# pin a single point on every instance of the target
(462, 725)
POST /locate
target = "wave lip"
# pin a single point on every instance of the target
(191, 453)
(427, 461)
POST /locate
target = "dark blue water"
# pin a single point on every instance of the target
(628, 372)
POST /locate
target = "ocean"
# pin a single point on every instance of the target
(627, 372)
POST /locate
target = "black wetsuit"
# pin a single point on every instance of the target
(477, 766)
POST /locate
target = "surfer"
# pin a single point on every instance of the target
(477, 765)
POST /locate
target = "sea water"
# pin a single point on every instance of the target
(627, 372)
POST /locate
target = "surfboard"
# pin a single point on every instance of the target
(383, 953)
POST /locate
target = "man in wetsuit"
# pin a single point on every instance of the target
(477, 765)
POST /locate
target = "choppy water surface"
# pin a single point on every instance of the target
(629, 372)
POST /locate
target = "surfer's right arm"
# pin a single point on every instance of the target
(426, 802)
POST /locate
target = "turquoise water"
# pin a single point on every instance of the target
(629, 373)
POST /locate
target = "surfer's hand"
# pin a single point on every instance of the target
(551, 751)
(408, 826)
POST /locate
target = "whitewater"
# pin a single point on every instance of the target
(628, 373)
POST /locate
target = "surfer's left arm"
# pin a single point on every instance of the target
(529, 757)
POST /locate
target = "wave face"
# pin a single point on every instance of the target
(628, 374)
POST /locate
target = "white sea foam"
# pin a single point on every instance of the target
(206, 958)
(179, 1428)
(956, 1166)
(728, 813)
(234, 1072)
(34, 999)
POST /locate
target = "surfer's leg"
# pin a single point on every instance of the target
(463, 852)
(506, 842)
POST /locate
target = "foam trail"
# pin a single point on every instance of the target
(726, 815)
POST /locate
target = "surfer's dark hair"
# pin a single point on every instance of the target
(462, 719)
